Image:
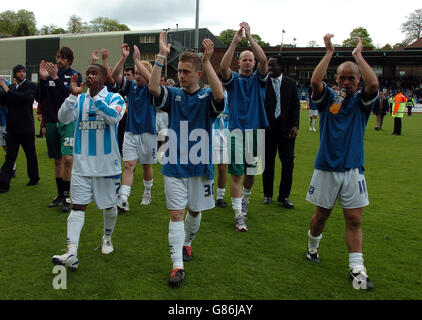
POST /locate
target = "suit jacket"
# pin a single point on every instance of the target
(19, 101)
(377, 104)
(290, 107)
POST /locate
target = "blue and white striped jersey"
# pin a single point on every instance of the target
(96, 147)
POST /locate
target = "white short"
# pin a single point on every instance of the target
(195, 192)
(103, 190)
(348, 187)
(3, 136)
(140, 147)
(219, 147)
(313, 113)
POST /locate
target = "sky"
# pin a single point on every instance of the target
(302, 20)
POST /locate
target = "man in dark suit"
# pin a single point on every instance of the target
(380, 109)
(19, 98)
(282, 108)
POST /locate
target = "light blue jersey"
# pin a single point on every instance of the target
(246, 101)
(141, 113)
(95, 149)
(187, 113)
(342, 129)
(3, 109)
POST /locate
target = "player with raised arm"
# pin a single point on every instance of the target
(339, 164)
(246, 94)
(187, 182)
(96, 165)
(140, 139)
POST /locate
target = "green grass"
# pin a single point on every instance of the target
(267, 262)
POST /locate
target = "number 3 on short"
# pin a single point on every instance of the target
(209, 189)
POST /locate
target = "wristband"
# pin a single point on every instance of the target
(159, 64)
(161, 56)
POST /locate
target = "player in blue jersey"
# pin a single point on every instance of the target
(54, 88)
(96, 165)
(339, 165)
(187, 166)
(140, 139)
(246, 94)
(220, 132)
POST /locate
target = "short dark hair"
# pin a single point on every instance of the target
(101, 67)
(192, 58)
(279, 59)
(17, 68)
(131, 69)
(66, 53)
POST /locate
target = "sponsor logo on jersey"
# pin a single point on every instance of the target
(311, 189)
(178, 98)
(92, 125)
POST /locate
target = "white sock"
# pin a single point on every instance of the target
(75, 222)
(110, 219)
(314, 123)
(176, 239)
(246, 193)
(148, 186)
(191, 227)
(355, 260)
(313, 242)
(125, 192)
(237, 206)
(220, 193)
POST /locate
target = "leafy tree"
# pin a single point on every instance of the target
(226, 37)
(387, 47)
(76, 25)
(102, 24)
(51, 29)
(20, 23)
(413, 25)
(358, 32)
(312, 44)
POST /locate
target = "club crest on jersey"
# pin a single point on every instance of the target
(178, 98)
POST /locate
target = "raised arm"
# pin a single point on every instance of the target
(321, 69)
(67, 112)
(139, 67)
(117, 70)
(94, 57)
(368, 74)
(228, 56)
(214, 82)
(154, 81)
(257, 50)
(104, 56)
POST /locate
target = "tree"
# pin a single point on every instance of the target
(102, 24)
(358, 32)
(387, 47)
(312, 44)
(51, 29)
(413, 26)
(20, 23)
(226, 37)
(76, 25)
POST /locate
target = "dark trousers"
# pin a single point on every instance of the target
(13, 142)
(121, 132)
(397, 126)
(285, 148)
(409, 111)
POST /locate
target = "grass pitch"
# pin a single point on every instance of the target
(267, 262)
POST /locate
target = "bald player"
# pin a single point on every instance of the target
(339, 164)
(246, 93)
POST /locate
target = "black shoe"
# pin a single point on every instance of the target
(268, 200)
(3, 190)
(39, 135)
(286, 203)
(314, 257)
(33, 182)
(376, 128)
(14, 174)
(176, 277)
(187, 253)
(221, 203)
(57, 201)
(66, 205)
(360, 279)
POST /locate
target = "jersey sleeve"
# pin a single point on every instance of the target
(124, 89)
(367, 103)
(68, 112)
(112, 111)
(163, 101)
(322, 103)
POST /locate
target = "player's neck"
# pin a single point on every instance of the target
(192, 89)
